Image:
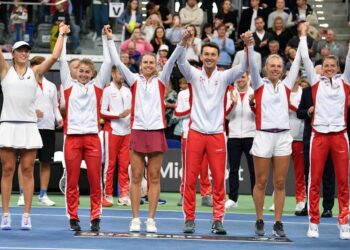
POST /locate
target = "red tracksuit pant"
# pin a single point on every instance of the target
(321, 145)
(205, 185)
(116, 150)
(77, 148)
(298, 162)
(199, 145)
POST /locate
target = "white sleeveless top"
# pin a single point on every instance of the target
(19, 97)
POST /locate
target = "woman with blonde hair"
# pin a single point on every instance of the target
(18, 128)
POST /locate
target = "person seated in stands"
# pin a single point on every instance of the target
(141, 44)
(130, 18)
(19, 17)
(173, 34)
(61, 15)
(192, 15)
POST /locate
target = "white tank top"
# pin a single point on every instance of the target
(19, 97)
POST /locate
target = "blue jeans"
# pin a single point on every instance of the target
(101, 14)
(18, 33)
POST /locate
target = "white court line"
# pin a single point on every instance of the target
(48, 248)
(180, 219)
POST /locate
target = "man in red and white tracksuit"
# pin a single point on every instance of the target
(183, 111)
(83, 98)
(330, 93)
(115, 110)
(241, 132)
(206, 134)
(297, 130)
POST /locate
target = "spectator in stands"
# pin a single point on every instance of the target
(160, 39)
(152, 22)
(272, 141)
(129, 62)
(324, 53)
(162, 9)
(170, 97)
(302, 12)
(192, 15)
(294, 42)
(280, 33)
(18, 128)
(162, 56)
(334, 47)
(61, 15)
(291, 53)
(19, 17)
(279, 12)
(194, 46)
(115, 110)
(241, 132)
(226, 46)
(130, 18)
(48, 115)
(249, 15)
(100, 13)
(274, 49)
(207, 6)
(229, 17)
(141, 45)
(262, 38)
(207, 33)
(173, 34)
(82, 141)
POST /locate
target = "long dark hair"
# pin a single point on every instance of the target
(128, 6)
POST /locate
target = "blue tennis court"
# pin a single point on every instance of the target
(50, 232)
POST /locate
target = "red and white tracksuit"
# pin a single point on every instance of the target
(206, 134)
(297, 130)
(330, 97)
(82, 141)
(183, 111)
(116, 137)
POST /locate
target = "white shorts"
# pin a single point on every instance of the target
(268, 144)
(20, 135)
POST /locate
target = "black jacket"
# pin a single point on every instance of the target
(305, 103)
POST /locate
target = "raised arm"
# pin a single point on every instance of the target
(292, 75)
(64, 67)
(232, 74)
(127, 74)
(4, 66)
(346, 73)
(256, 81)
(304, 52)
(46, 65)
(104, 75)
(55, 105)
(169, 65)
(185, 68)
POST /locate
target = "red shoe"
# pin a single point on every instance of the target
(106, 203)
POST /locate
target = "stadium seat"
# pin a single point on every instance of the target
(42, 41)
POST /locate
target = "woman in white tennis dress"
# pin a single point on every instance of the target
(19, 135)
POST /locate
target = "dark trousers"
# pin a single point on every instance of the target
(328, 179)
(235, 148)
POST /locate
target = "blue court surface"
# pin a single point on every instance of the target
(50, 232)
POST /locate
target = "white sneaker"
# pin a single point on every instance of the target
(6, 222)
(150, 226)
(135, 225)
(109, 198)
(272, 208)
(299, 206)
(26, 222)
(313, 231)
(124, 201)
(20, 201)
(46, 201)
(344, 232)
(230, 203)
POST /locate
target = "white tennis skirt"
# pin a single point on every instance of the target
(20, 135)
